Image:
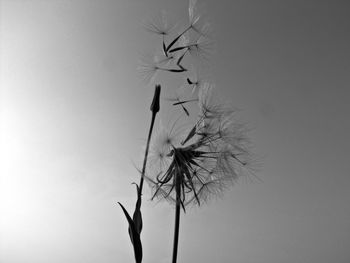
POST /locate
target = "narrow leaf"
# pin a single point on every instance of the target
(134, 236)
(137, 217)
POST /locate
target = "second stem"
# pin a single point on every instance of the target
(177, 216)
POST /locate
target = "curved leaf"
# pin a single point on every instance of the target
(134, 236)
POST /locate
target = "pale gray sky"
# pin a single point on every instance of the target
(74, 118)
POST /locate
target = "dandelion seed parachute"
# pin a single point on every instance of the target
(159, 24)
(150, 65)
(196, 80)
(180, 99)
(197, 21)
(202, 49)
(162, 144)
(147, 67)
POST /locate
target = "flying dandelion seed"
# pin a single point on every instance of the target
(180, 100)
(159, 25)
(149, 66)
(196, 24)
(196, 81)
(202, 48)
(197, 20)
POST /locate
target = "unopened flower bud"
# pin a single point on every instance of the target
(155, 103)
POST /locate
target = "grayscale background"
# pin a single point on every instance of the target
(74, 118)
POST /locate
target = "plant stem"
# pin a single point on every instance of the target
(146, 153)
(177, 217)
(154, 108)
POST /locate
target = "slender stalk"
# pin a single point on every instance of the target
(154, 109)
(135, 223)
(146, 152)
(177, 217)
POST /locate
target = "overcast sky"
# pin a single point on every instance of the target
(75, 114)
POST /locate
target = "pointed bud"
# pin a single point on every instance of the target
(155, 103)
(134, 236)
(137, 217)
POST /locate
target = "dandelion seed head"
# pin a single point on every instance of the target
(206, 164)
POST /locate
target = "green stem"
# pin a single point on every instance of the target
(177, 218)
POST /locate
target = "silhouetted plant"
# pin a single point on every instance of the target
(135, 223)
(189, 164)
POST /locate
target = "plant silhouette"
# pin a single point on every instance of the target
(199, 160)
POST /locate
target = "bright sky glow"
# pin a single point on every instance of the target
(74, 116)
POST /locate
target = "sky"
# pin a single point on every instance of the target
(75, 114)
